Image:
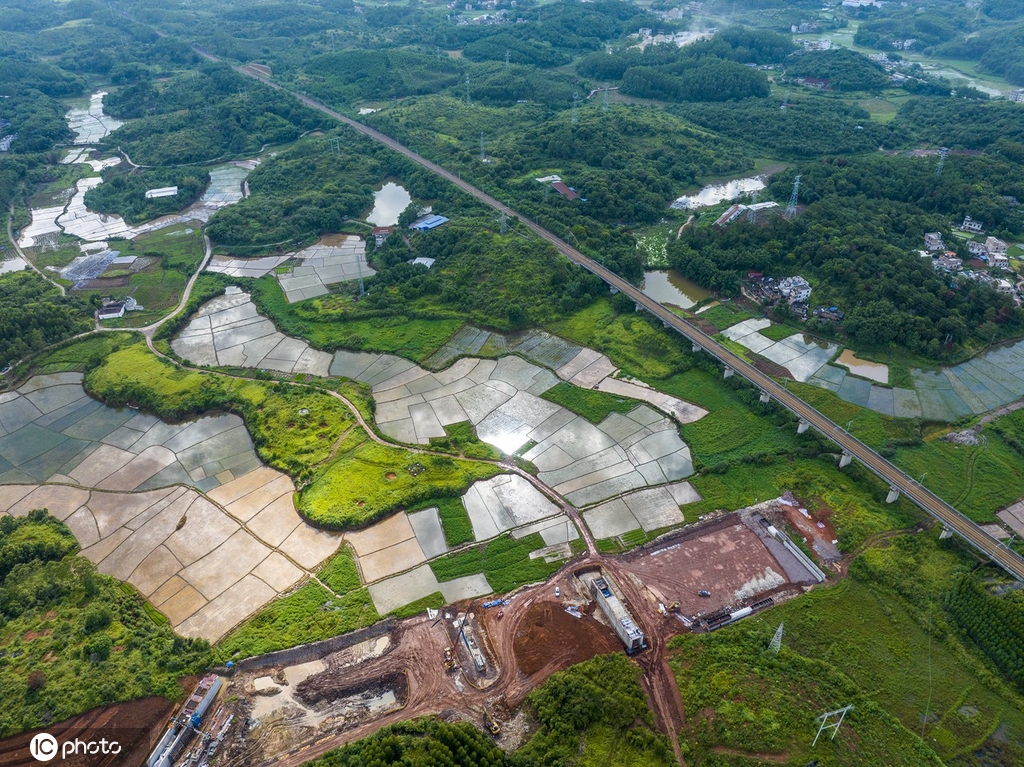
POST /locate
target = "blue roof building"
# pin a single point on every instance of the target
(427, 223)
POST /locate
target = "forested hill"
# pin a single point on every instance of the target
(34, 315)
(208, 114)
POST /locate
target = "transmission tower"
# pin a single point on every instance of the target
(504, 223)
(752, 216)
(483, 154)
(359, 267)
(575, 105)
(604, 103)
(785, 102)
(776, 644)
(335, 144)
(467, 89)
(841, 713)
(791, 208)
(942, 160)
(506, 58)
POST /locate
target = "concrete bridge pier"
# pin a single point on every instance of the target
(845, 460)
(639, 308)
(802, 427)
(893, 496)
(729, 373)
(696, 348)
(765, 396)
(946, 533)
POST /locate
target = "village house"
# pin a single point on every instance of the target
(994, 246)
(972, 226)
(948, 262)
(933, 241)
(795, 289)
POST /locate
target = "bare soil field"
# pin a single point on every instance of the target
(135, 725)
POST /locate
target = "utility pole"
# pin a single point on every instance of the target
(467, 89)
(483, 154)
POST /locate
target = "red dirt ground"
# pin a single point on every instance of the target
(548, 633)
(135, 725)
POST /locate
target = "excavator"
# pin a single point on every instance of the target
(491, 723)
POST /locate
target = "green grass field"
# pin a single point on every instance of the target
(505, 562)
(326, 328)
(778, 332)
(340, 573)
(723, 316)
(879, 640)
(593, 405)
(308, 614)
(367, 480)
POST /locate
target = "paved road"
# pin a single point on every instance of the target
(897, 479)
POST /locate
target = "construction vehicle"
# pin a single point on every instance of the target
(703, 593)
(491, 723)
(450, 663)
(501, 614)
(674, 607)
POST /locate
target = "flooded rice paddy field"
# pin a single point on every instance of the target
(988, 381)
(185, 512)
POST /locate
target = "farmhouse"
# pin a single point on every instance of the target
(796, 289)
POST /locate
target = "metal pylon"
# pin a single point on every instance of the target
(791, 208)
(776, 644)
(841, 713)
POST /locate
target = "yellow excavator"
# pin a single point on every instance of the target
(491, 723)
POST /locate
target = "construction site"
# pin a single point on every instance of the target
(478, 659)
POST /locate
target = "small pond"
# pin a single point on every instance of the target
(670, 287)
(388, 203)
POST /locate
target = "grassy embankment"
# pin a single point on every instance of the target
(881, 641)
